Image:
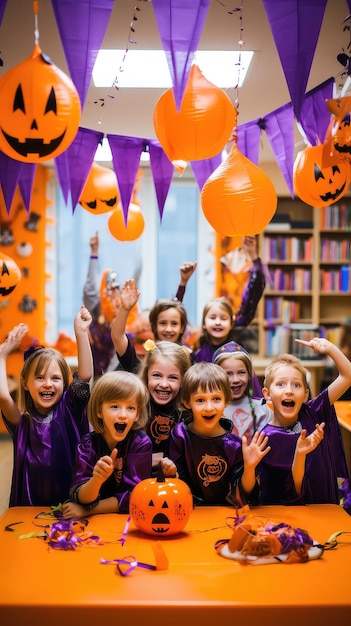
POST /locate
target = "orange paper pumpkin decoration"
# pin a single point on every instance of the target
(40, 110)
(100, 193)
(341, 133)
(161, 506)
(10, 275)
(316, 185)
(238, 198)
(133, 229)
(202, 126)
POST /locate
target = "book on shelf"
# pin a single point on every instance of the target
(283, 339)
(279, 221)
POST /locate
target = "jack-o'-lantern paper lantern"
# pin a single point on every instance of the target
(238, 198)
(202, 126)
(316, 185)
(341, 134)
(10, 275)
(40, 110)
(100, 192)
(133, 229)
(161, 506)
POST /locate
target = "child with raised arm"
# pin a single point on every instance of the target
(50, 418)
(220, 324)
(116, 455)
(307, 455)
(217, 465)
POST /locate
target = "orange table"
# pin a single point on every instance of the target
(343, 412)
(39, 585)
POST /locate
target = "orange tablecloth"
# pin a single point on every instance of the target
(39, 585)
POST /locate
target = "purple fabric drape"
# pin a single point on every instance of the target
(162, 173)
(295, 26)
(10, 171)
(204, 168)
(180, 24)
(126, 152)
(315, 117)
(82, 26)
(77, 160)
(279, 127)
(3, 4)
(248, 142)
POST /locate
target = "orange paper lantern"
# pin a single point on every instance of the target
(100, 193)
(316, 185)
(133, 229)
(202, 126)
(10, 275)
(238, 198)
(40, 110)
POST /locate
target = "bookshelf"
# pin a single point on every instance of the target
(307, 252)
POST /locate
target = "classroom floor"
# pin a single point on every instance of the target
(6, 458)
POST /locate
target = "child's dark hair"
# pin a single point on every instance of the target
(38, 361)
(163, 305)
(205, 377)
(117, 386)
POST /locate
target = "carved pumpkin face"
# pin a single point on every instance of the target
(100, 193)
(341, 133)
(40, 110)
(133, 229)
(10, 275)
(316, 185)
(161, 506)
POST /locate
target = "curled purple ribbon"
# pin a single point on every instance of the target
(129, 561)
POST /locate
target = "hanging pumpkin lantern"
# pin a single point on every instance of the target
(316, 185)
(100, 193)
(40, 110)
(133, 229)
(238, 198)
(341, 133)
(161, 506)
(10, 275)
(201, 127)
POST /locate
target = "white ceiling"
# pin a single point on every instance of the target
(131, 111)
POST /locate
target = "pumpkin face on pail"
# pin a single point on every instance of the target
(161, 506)
(10, 275)
(40, 110)
(316, 185)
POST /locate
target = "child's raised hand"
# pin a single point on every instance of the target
(320, 345)
(258, 448)
(187, 270)
(94, 244)
(249, 246)
(168, 467)
(82, 320)
(104, 466)
(305, 445)
(13, 340)
(129, 294)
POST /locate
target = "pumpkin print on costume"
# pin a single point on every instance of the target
(317, 185)
(40, 110)
(10, 275)
(161, 506)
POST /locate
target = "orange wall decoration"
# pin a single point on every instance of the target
(22, 237)
(232, 269)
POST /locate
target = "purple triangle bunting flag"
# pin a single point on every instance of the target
(180, 26)
(295, 26)
(25, 183)
(61, 168)
(82, 25)
(279, 127)
(315, 117)
(162, 173)
(10, 171)
(3, 4)
(249, 136)
(202, 169)
(126, 152)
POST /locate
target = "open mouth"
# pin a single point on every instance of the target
(120, 428)
(208, 418)
(47, 395)
(288, 403)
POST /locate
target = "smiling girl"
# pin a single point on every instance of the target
(116, 455)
